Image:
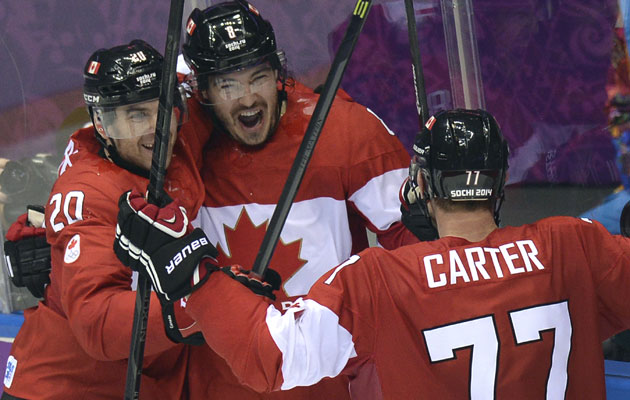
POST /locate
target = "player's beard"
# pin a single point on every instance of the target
(251, 125)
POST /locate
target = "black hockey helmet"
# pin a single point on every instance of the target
(122, 75)
(126, 79)
(462, 155)
(229, 36)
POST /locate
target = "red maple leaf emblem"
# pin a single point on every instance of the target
(72, 243)
(244, 242)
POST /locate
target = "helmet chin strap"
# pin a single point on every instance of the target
(111, 153)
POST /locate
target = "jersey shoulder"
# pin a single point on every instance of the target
(564, 226)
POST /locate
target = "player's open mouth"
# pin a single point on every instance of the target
(250, 119)
(148, 146)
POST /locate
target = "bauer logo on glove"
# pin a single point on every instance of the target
(186, 251)
(148, 236)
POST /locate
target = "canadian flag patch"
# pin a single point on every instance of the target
(93, 68)
(190, 27)
(73, 250)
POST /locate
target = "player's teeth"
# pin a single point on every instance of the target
(249, 113)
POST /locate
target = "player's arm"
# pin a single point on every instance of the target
(378, 167)
(267, 350)
(95, 289)
(608, 257)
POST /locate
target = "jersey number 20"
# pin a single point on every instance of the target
(72, 208)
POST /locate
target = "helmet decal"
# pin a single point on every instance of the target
(122, 75)
(147, 79)
(93, 68)
(190, 27)
(253, 9)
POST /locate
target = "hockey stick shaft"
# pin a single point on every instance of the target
(311, 135)
(416, 65)
(155, 192)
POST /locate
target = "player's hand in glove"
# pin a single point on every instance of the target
(414, 216)
(158, 242)
(27, 252)
(263, 286)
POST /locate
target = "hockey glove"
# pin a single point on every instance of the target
(179, 327)
(27, 252)
(413, 216)
(261, 286)
(158, 243)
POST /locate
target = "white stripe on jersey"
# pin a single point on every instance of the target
(182, 67)
(313, 344)
(321, 223)
(378, 199)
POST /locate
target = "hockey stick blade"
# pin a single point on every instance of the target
(416, 65)
(311, 135)
(155, 192)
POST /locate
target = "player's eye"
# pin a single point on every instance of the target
(138, 116)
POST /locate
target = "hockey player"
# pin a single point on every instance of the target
(351, 183)
(482, 313)
(75, 343)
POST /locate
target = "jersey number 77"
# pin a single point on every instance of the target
(480, 335)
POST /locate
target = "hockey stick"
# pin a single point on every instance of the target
(416, 65)
(311, 135)
(155, 192)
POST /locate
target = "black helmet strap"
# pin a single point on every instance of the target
(110, 152)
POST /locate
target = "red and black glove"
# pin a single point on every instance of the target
(414, 216)
(160, 244)
(27, 253)
(264, 286)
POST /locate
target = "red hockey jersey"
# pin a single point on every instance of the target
(351, 183)
(75, 343)
(518, 315)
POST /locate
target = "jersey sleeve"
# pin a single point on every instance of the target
(379, 165)
(92, 288)
(609, 259)
(269, 350)
(234, 326)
